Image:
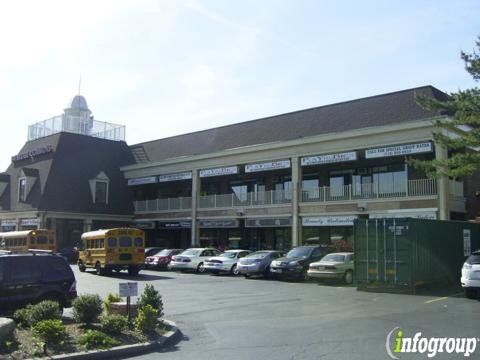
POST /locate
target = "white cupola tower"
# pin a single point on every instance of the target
(77, 118)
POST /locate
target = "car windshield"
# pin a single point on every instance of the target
(230, 255)
(190, 252)
(164, 252)
(258, 255)
(334, 258)
(299, 252)
(473, 259)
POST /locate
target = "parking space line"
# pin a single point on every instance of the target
(437, 299)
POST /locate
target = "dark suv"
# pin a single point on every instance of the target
(32, 277)
(295, 264)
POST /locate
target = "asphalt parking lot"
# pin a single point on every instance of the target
(224, 317)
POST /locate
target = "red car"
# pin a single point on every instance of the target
(161, 259)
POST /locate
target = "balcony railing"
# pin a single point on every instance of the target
(181, 203)
(273, 197)
(411, 188)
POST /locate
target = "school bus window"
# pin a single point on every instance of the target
(125, 241)
(112, 242)
(138, 242)
(102, 243)
(50, 240)
(42, 239)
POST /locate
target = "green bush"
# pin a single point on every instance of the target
(146, 319)
(50, 331)
(44, 310)
(151, 297)
(114, 323)
(22, 316)
(94, 339)
(110, 299)
(87, 308)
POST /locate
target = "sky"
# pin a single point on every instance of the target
(168, 67)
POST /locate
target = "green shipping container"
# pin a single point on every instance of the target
(401, 255)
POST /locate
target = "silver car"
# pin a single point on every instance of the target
(225, 262)
(258, 263)
(333, 266)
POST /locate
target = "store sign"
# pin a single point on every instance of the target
(186, 224)
(8, 222)
(144, 225)
(467, 242)
(29, 222)
(33, 153)
(231, 170)
(267, 166)
(273, 222)
(329, 159)
(429, 215)
(227, 223)
(175, 177)
(329, 221)
(398, 150)
(143, 181)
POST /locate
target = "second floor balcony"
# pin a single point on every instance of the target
(411, 189)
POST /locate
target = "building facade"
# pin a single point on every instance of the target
(272, 183)
(296, 178)
(67, 178)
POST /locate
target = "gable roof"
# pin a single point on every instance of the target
(385, 109)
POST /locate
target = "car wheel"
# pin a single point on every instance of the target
(348, 277)
(98, 269)
(303, 275)
(247, 276)
(234, 270)
(470, 293)
(200, 268)
(81, 267)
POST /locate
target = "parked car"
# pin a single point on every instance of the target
(161, 259)
(32, 277)
(333, 266)
(471, 275)
(257, 263)
(295, 264)
(225, 262)
(149, 251)
(192, 259)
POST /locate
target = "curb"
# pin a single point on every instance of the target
(125, 350)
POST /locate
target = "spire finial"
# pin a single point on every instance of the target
(79, 84)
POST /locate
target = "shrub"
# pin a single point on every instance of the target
(114, 323)
(87, 308)
(22, 316)
(146, 320)
(44, 310)
(94, 339)
(110, 299)
(50, 331)
(151, 297)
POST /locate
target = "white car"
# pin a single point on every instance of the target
(192, 259)
(471, 275)
(333, 266)
(225, 262)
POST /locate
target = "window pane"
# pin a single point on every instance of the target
(22, 185)
(100, 192)
(112, 242)
(125, 241)
(138, 242)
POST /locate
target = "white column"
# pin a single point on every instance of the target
(195, 233)
(442, 185)
(296, 184)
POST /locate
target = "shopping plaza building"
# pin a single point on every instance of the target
(272, 183)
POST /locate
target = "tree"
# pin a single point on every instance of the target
(464, 122)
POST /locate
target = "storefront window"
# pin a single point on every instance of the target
(390, 179)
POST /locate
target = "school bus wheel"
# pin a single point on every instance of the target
(98, 269)
(81, 267)
(133, 270)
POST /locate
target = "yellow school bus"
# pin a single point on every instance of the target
(39, 239)
(113, 249)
